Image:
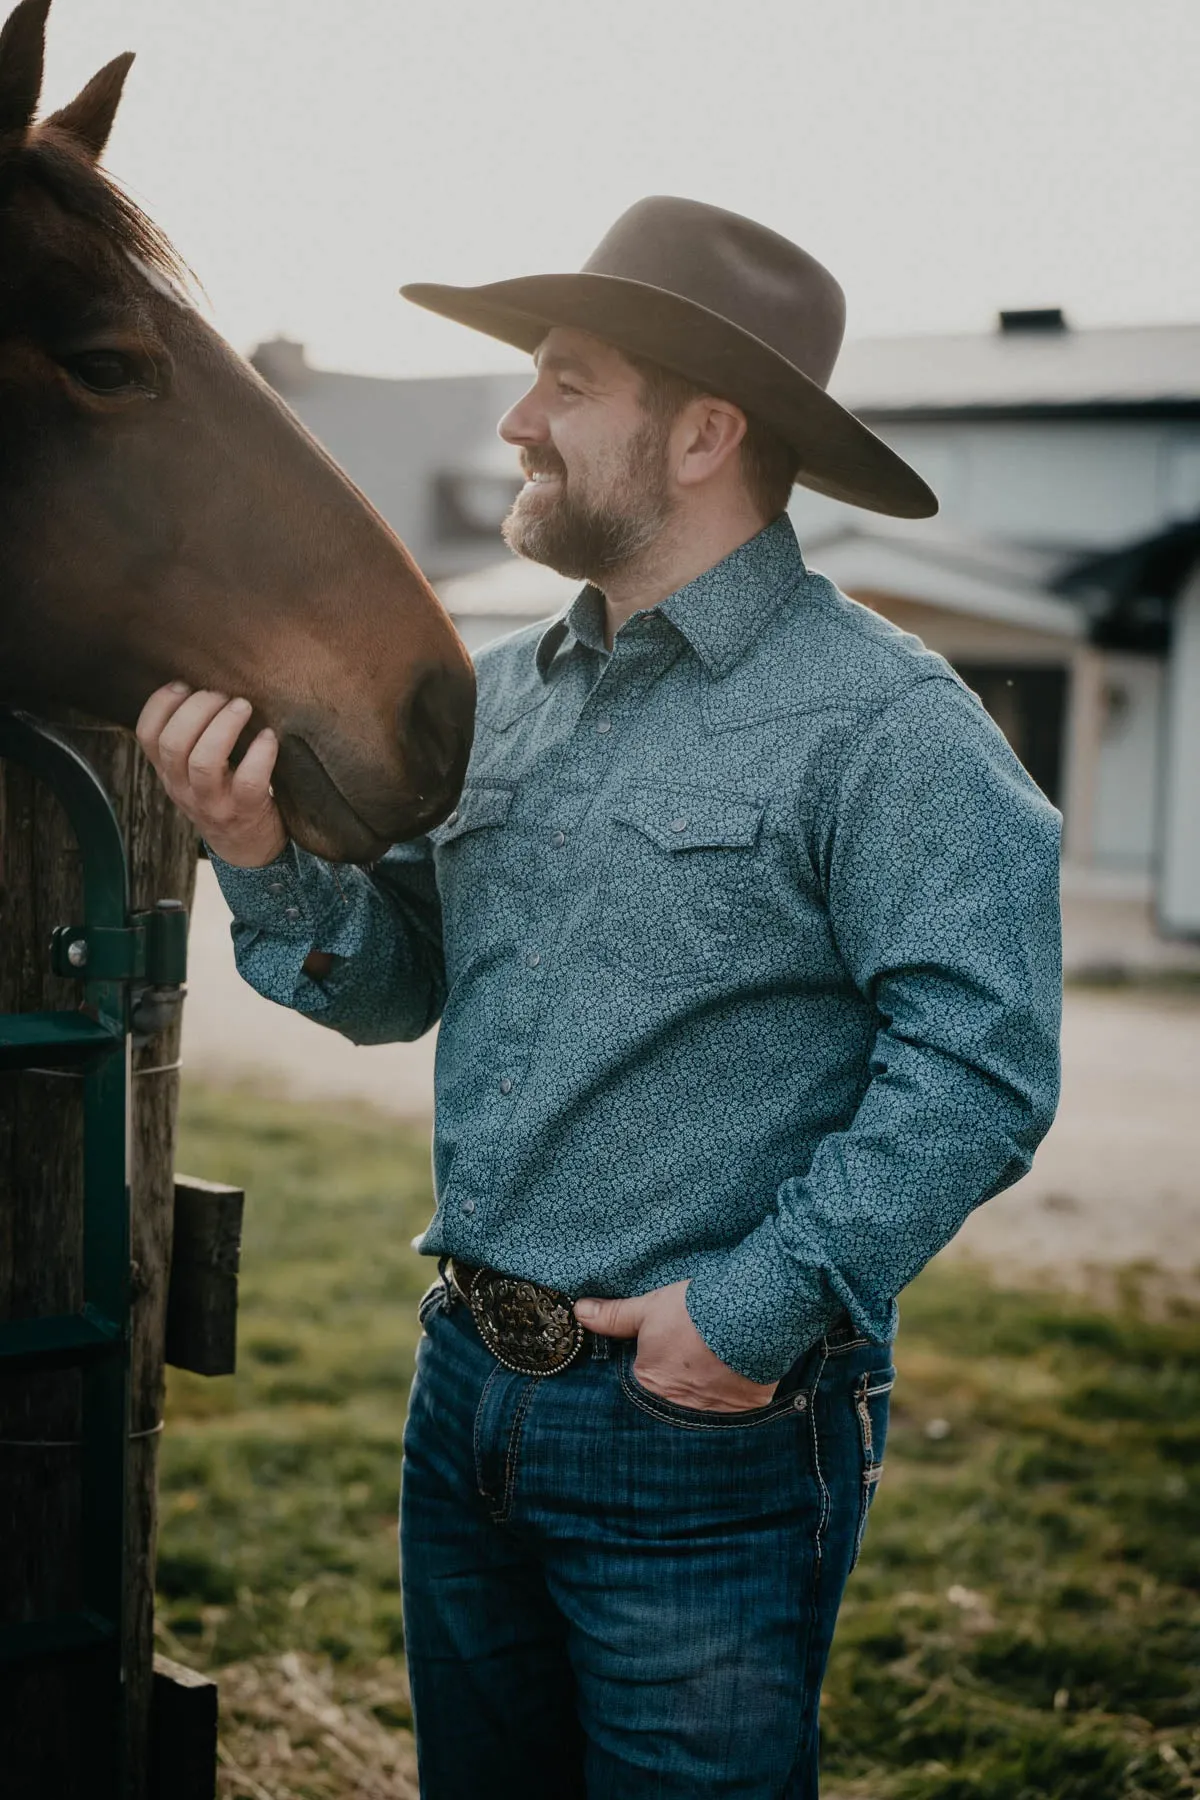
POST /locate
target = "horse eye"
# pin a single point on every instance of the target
(104, 371)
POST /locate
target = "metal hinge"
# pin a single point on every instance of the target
(148, 956)
(151, 948)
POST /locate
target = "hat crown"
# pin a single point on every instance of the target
(736, 268)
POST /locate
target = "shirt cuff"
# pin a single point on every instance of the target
(758, 1309)
(272, 898)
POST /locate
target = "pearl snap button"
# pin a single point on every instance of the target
(603, 725)
(506, 1085)
(678, 824)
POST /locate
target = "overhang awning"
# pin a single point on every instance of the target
(1128, 592)
(512, 589)
(957, 576)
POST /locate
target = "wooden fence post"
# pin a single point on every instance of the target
(43, 1745)
(202, 1296)
(183, 1733)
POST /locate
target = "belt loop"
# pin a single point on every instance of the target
(448, 1285)
(601, 1351)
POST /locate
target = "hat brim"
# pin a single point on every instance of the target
(838, 455)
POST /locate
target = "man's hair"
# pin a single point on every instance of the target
(768, 465)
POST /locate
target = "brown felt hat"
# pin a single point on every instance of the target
(734, 307)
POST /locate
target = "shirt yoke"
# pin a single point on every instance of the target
(823, 653)
(820, 652)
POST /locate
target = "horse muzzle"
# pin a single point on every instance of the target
(348, 805)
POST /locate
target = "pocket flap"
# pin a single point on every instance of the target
(477, 806)
(686, 819)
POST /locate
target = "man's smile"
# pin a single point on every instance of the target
(542, 483)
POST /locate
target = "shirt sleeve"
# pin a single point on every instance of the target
(940, 858)
(382, 925)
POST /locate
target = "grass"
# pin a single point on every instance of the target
(1025, 1620)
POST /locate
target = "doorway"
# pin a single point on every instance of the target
(1029, 704)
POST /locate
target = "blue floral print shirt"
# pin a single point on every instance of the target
(744, 940)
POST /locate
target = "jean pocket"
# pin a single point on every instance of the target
(872, 1393)
(691, 1418)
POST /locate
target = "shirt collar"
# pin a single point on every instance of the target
(583, 621)
(719, 614)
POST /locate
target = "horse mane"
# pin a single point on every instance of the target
(89, 192)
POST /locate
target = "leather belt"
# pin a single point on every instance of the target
(528, 1328)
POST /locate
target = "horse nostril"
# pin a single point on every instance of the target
(436, 723)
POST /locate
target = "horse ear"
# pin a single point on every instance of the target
(88, 118)
(22, 53)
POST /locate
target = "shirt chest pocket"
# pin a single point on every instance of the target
(671, 894)
(472, 856)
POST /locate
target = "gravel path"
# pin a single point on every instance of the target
(1116, 1181)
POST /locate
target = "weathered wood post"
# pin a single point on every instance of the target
(44, 1708)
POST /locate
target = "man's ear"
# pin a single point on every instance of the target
(729, 425)
(22, 54)
(88, 118)
(717, 428)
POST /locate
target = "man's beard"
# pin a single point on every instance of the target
(590, 541)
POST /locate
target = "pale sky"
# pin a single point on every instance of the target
(943, 157)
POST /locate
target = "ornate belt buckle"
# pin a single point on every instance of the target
(531, 1330)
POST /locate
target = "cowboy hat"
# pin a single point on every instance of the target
(735, 308)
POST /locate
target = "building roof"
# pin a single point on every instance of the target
(1151, 369)
(1022, 372)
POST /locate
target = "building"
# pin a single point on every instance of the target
(1061, 577)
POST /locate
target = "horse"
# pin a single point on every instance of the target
(163, 515)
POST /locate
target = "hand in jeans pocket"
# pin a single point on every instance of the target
(673, 1360)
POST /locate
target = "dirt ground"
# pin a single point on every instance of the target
(1116, 1181)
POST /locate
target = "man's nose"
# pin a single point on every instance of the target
(524, 423)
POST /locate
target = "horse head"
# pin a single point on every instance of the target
(163, 515)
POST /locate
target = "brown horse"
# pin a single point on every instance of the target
(163, 515)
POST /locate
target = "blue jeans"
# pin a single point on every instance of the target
(607, 1596)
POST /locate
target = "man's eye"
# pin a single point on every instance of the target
(104, 371)
(564, 387)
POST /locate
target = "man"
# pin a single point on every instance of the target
(744, 943)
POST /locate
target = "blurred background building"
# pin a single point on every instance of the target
(1061, 577)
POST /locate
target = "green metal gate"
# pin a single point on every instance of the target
(127, 964)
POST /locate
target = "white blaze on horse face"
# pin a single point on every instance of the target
(160, 283)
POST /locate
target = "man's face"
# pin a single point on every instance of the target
(597, 490)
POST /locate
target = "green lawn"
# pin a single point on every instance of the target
(1025, 1620)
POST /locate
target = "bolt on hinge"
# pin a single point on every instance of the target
(151, 948)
